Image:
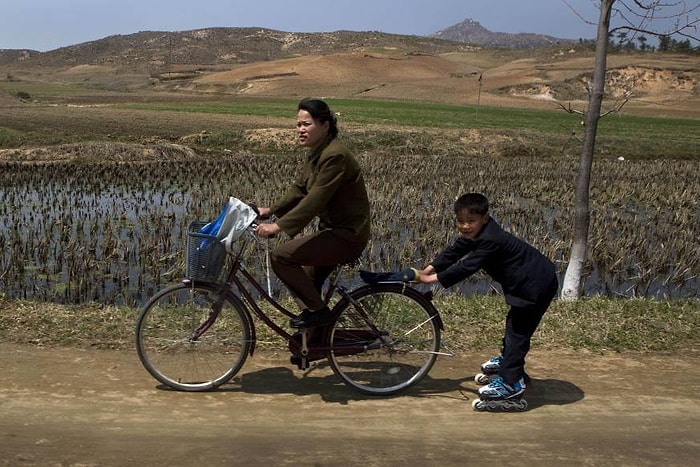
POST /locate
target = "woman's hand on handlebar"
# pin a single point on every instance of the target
(264, 213)
(267, 230)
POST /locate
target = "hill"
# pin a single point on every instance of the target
(471, 32)
(219, 46)
(246, 45)
(346, 64)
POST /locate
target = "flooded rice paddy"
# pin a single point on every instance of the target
(114, 232)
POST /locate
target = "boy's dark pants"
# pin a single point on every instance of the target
(521, 324)
(304, 263)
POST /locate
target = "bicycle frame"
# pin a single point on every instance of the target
(382, 338)
(241, 278)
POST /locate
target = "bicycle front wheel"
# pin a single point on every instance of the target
(186, 343)
(385, 339)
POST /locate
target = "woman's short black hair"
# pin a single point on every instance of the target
(320, 112)
(472, 202)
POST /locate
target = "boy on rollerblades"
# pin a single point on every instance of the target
(529, 284)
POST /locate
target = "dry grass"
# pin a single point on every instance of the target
(471, 324)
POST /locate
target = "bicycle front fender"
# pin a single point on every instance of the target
(249, 318)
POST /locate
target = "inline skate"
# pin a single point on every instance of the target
(497, 396)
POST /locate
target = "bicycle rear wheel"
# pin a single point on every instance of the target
(384, 340)
(185, 344)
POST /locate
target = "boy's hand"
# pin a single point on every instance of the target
(427, 275)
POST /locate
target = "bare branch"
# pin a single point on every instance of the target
(615, 110)
(575, 11)
(570, 110)
(638, 18)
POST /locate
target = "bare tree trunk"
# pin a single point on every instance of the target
(571, 288)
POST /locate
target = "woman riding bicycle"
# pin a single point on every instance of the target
(329, 186)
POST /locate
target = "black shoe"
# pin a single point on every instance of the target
(304, 315)
(294, 360)
(309, 319)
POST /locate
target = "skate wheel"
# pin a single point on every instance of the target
(508, 405)
(482, 379)
(520, 405)
(481, 405)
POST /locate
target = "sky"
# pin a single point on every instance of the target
(50, 24)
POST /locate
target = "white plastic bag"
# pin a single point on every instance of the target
(233, 221)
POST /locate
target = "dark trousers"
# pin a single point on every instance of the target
(304, 263)
(521, 324)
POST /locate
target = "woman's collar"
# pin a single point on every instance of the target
(316, 153)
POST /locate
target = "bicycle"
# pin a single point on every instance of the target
(196, 335)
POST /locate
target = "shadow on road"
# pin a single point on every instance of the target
(552, 392)
(317, 380)
(541, 392)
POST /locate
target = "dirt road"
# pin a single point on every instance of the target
(73, 407)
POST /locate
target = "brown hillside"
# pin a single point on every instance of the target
(660, 85)
(260, 62)
(374, 75)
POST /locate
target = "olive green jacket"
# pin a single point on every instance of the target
(330, 185)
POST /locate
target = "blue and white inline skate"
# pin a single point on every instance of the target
(498, 396)
(488, 370)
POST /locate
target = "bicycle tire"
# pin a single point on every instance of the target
(395, 351)
(164, 337)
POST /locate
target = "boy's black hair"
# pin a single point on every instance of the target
(320, 112)
(472, 202)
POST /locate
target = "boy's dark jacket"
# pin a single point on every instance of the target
(525, 275)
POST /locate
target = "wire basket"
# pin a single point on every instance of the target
(205, 255)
